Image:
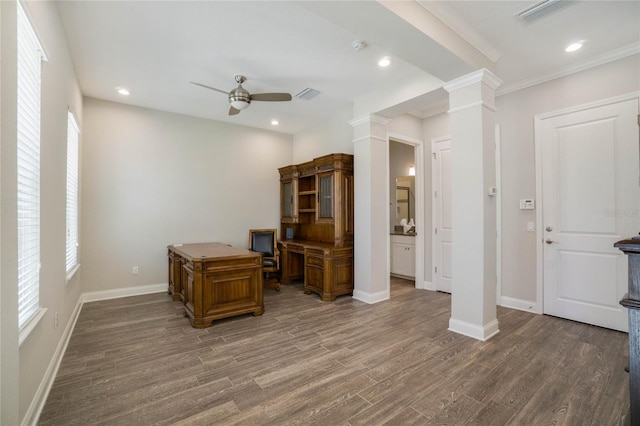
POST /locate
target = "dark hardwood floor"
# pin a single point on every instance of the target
(137, 361)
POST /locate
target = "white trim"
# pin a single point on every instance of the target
(434, 208)
(519, 304)
(498, 140)
(369, 118)
(605, 58)
(428, 285)
(367, 138)
(371, 298)
(31, 323)
(124, 292)
(472, 105)
(71, 274)
(418, 158)
(481, 76)
(590, 105)
(477, 332)
(537, 129)
(42, 393)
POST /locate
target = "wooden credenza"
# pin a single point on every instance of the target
(316, 225)
(215, 280)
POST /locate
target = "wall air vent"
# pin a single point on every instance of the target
(307, 94)
(541, 9)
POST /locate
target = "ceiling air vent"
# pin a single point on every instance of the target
(541, 9)
(307, 94)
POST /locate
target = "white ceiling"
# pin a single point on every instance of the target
(154, 48)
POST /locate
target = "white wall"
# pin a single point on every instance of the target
(60, 92)
(515, 116)
(153, 178)
(334, 135)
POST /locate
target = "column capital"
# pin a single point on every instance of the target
(481, 76)
(369, 119)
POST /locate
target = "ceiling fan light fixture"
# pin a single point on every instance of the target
(239, 104)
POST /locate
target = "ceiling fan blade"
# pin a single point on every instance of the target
(233, 111)
(209, 87)
(271, 97)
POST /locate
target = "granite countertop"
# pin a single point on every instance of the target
(408, 234)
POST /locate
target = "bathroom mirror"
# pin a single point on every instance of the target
(405, 198)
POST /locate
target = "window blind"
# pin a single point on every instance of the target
(72, 194)
(30, 56)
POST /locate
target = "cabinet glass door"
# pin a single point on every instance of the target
(325, 197)
(287, 200)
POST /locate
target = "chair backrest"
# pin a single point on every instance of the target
(263, 241)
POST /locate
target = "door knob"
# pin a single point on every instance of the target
(549, 229)
(550, 241)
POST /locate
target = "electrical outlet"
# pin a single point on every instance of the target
(135, 270)
(55, 320)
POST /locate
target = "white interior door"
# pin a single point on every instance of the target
(442, 243)
(591, 196)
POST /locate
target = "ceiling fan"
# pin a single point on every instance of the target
(240, 98)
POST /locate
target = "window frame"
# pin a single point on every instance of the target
(72, 261)
(30, 56)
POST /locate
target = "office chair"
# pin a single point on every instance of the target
(264, 241)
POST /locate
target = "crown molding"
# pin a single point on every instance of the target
(481, 76)
(369, 118)
(614, 55)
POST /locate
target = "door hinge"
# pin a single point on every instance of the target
(436, 231)
(435, 194)
(436, 270)
(434, 154)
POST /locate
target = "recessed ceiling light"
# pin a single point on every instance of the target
(123, 91)
(384, 62)
(573, 46)
(274, 122)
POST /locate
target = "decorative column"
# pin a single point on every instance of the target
(473, 168)
(370, 170)
(631, 301)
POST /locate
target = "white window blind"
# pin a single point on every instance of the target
(30, 56)
(72, 194)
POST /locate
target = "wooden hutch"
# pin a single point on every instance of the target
(316, 225)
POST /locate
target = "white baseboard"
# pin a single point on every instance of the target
(42, 393)
(371, 298)
(428, 285)
(117, 293)
(478, 332)
(519, 304)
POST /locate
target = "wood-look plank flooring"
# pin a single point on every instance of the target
(137, 361)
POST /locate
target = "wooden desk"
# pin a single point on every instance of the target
(215, 281)
(327, 270)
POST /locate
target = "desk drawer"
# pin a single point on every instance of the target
(314, 261)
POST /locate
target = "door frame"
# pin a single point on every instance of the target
(418, 158)
(538, 119)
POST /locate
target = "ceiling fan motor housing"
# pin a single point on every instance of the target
(239, 94)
